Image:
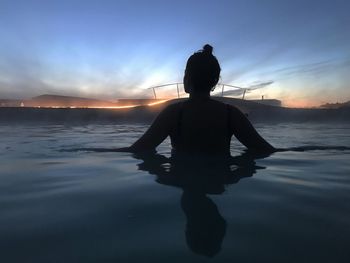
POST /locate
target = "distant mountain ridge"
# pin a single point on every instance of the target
(336, 105)
(60, 97)
(50, 100)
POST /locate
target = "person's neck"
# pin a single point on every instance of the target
(199, 95)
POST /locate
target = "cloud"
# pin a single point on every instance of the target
(316, 68)
(28, 75)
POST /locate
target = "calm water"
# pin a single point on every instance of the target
(78, 206)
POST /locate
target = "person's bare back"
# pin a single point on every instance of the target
(201, 125)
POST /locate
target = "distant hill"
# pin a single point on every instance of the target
(10, 103)
(336, 105)
(49, 100)
(271, 102)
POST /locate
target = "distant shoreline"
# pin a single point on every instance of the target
(145, 114)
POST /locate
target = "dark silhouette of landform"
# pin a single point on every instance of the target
(58, 101)
(336, 105)
(66, 109)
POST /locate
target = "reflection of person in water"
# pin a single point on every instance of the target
(198, 177)
(205, 228)
(201, 124)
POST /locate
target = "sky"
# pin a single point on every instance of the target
(118, 49)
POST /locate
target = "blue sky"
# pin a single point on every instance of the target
(111, 49)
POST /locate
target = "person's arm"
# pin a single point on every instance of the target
(155, 134)
(246, 133)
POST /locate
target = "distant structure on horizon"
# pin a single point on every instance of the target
(237, 91)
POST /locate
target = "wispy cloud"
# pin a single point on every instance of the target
(315, 68)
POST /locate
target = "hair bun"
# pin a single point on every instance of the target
(208, 49)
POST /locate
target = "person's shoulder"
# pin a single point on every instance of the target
(217, 103)
(175, 106)
(233, 108)
(172, 108)
(235, 111)
(226, 106)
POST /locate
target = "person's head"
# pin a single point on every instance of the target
(202, 71)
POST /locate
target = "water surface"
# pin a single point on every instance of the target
(79, 206)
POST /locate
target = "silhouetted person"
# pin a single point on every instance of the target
(201, 124)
